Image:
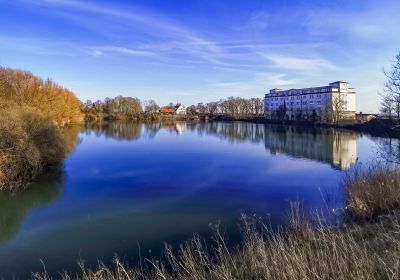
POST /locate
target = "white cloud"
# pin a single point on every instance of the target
(274, 79)
(102, 50)
(297, 63)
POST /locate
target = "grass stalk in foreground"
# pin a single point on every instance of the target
(305, 253)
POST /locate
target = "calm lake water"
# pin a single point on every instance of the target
(128, 188)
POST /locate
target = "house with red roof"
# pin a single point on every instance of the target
(178, 109)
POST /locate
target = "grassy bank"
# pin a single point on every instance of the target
(360, 249)
(32, 113)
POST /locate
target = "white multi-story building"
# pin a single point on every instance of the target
(326, 104)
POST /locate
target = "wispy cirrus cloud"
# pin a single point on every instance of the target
(104, 50)
(165, 34)
(274, 79)
(298, 63)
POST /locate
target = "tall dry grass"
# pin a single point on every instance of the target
(372, 191)
(304, 252)
(29, 143)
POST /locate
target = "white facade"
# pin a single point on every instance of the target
(180, 109)
(315, 103)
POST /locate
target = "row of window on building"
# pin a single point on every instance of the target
(318, 96)
(318, 102)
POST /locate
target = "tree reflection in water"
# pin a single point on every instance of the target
(46, 188)
(117, 130)
(14, 207)
(333, 146)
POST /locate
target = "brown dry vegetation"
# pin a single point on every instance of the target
(29, 142)
(372, 191)
(23, 89)
(118, 108)
(32, 111)
(305, 252)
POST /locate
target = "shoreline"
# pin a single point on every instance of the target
(375, 127)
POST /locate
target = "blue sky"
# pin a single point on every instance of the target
(201, 50)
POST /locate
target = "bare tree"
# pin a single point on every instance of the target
(387, 105)
(191, 110)
(212, 107)
(201, 108)
(392, 86)
(231, 106)
(338, 107)
(151, 106)
(257, 105)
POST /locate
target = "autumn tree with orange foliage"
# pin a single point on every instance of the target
(32, 111)
(22, 88)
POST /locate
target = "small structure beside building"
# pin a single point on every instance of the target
(167, 111)
(178, 109)
(364, 118)
(330, 103)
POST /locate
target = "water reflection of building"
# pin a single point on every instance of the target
(177, 127)
(180, 127)
(338, 148)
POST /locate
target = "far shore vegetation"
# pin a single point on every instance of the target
(365, 245)
(129, 108)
